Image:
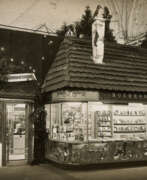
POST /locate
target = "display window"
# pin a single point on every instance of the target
(74, 117)
(129, 121)
(99, 120)
(56, 121)
(48, 117)
(94, 121)
(67, 121)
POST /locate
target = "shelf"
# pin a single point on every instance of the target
(130, 124)
(104, 136)
(66, 141)
(129, 131)
(104, 131)
(104, 126)
(130, 115)
(103, 121)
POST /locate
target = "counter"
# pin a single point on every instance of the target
(84, 153)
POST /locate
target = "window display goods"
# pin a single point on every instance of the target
(92, 132)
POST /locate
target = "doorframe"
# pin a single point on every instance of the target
(3, 134)
(30, 136)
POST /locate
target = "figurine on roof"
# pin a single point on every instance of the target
(98, 31)
(102, 15)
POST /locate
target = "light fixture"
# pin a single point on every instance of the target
(34, 70)
(43, 58)
(30, 67)
(11, 59)
(2, 49)
(50, 42)
(22, 62)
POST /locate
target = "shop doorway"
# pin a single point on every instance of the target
(16, 132)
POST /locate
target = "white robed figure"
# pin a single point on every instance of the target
(98, 31)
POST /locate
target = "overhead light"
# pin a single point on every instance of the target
(50, 42)
(30, 67)
(43, 58)
(22, 62)
(20, 77)
(11, 59)
(2, 48)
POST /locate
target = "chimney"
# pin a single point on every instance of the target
(98, 31)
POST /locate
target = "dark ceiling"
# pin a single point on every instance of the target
(27, 52)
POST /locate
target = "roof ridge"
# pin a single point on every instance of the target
(107, 43)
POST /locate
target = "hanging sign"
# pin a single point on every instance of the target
(126, 96)
(75, 95)
(20, 77)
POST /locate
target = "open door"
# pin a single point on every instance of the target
(1, 131)
(17, 133)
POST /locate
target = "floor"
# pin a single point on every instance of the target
(50, 172)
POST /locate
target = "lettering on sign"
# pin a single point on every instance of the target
(123, 95)
(75, 95)
(71, 93)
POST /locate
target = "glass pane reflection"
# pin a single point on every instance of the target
(16, 131)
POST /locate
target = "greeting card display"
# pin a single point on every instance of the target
(103, 123)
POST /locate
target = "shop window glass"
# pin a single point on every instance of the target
(94, 121)
(16, 127)
(74, 117)
(129, 122)
(99, 121)
(67, 121)
(48, 114)
(56, 121)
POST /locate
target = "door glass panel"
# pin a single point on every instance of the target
(16, 117)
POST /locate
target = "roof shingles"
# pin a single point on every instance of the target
(124, 68)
